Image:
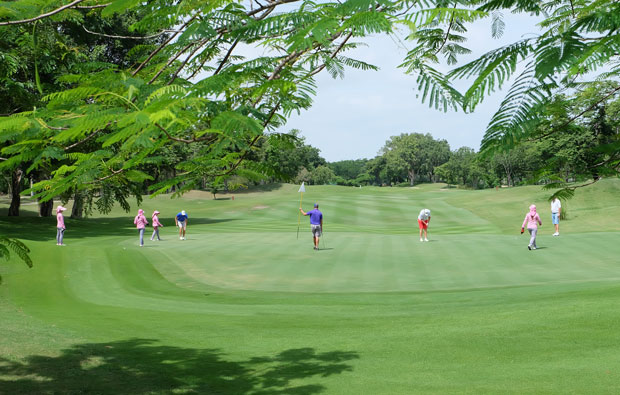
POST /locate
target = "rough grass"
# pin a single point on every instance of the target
(243, 306)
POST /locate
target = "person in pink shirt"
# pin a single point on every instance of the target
(532, 220)
(141, 222)
(60, 225)
(156, 225)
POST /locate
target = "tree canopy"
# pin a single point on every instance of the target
(224, 75)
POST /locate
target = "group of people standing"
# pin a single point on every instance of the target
(180, 220)
(141, 222)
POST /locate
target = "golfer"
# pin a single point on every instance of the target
(60, 225)
(532, 219)
(316, 223)
(181, 221)
(156, 225)
(141, 222)
(423, 219)
(556, 210)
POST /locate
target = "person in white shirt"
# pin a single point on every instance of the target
(556, 210)
(423, 219)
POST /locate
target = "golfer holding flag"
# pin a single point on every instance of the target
(316, 222)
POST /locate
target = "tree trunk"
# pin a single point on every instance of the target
(78, 205)
(16, 188)
(508, 170)
(45, 208)
(411, 174)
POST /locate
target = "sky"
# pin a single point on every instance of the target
(352, 118)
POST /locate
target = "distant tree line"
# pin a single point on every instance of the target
(564, 148)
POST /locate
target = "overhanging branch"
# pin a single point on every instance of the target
(130, 37)
(42, 16)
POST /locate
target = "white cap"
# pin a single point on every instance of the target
(427, 212)
(183, 212)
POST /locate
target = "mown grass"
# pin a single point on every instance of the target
(243, 306)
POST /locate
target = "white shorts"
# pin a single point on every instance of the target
(181, 224)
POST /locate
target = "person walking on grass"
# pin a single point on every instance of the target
(556, 211)
(316, 223)
(423, 220)
(156, 225)
(141, 222)
(532, 220)
(181, 221)
(60, 225)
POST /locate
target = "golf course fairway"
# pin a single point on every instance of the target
(244, 306)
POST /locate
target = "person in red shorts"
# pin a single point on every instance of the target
(423, 219)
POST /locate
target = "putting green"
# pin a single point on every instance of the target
(243, 306)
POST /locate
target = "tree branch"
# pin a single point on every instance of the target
(225, 59)
(130, 37)
(184, 63)
(187, 141)
(333, 55)
(81, 141)
(245, 153)
(175, 57)
(42, 16)
(447, 32)
(276, 71)
(90, 7)
(45, 125)
(163, 45)
(114, 173)
(577, 116)
(270, 5)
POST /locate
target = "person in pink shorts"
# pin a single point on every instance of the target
(156, 225)
(141, 222)
(60, 225)
(532, 220)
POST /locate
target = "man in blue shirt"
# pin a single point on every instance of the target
(316, 222)
(181, 221)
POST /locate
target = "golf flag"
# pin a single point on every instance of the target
(302, 189)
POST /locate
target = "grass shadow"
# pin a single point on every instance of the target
(141, 366)
(44, 229)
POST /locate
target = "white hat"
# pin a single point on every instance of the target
(183, 212)
(427, 212)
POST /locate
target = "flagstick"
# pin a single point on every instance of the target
(299, 214)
